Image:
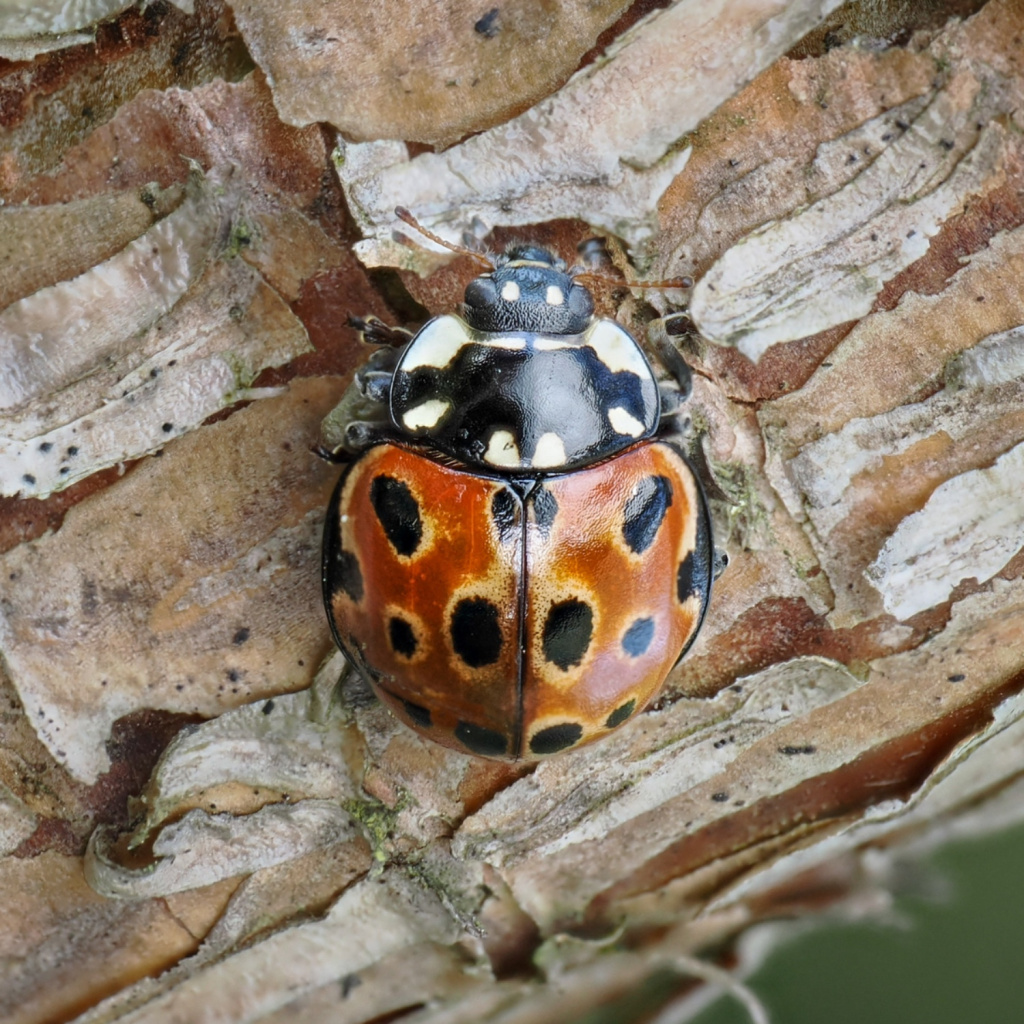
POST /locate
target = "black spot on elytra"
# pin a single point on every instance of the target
(479, 740)
(241, 635)
(420, 715)
(645, 511)
(684, 578)
(476, 632)
(545, 508)
(347, 574)
(398, 513)
(694, 576)
(620, 714)
(556, 737)
(638, 637)
(567, 632)
(506, 511)
(402, 637)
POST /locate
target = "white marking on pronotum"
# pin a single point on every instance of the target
(623, 423)
(510, 291)
(550, 451)
(502, 449)
(554, 295)
(502, 341)
(437, 344)
(426, 414)
(542, 344)
(616, 348)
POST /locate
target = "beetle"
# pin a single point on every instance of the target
(517, 552)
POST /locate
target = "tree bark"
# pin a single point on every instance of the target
(198, 821)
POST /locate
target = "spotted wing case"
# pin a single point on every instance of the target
(423, 593)
(516, 620)
(617, 581)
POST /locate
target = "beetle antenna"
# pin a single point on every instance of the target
(678, 282)
(404, 215)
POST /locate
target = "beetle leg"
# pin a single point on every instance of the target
(374, 331)
(373, 378)
(674, 392)
(719, 561)
(363, 434)
(362, 418)
(375, 384)
(672, 359)
(675, 419)
(671, 399)
(337, 456)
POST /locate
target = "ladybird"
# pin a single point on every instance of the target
(517, 552)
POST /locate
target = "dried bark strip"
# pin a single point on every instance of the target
(416, 71)
(749, 789)
(130, 607)
(601, 148)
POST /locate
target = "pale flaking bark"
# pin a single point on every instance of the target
(203, 815)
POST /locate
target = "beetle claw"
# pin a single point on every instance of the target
(373, 331)
(337, 456)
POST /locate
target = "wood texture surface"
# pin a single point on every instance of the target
(197, 821)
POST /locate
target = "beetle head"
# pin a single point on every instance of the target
(529, 289)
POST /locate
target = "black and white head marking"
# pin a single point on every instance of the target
(525, 400)
(528, 290)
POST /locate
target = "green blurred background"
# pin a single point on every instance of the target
(961, 960)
